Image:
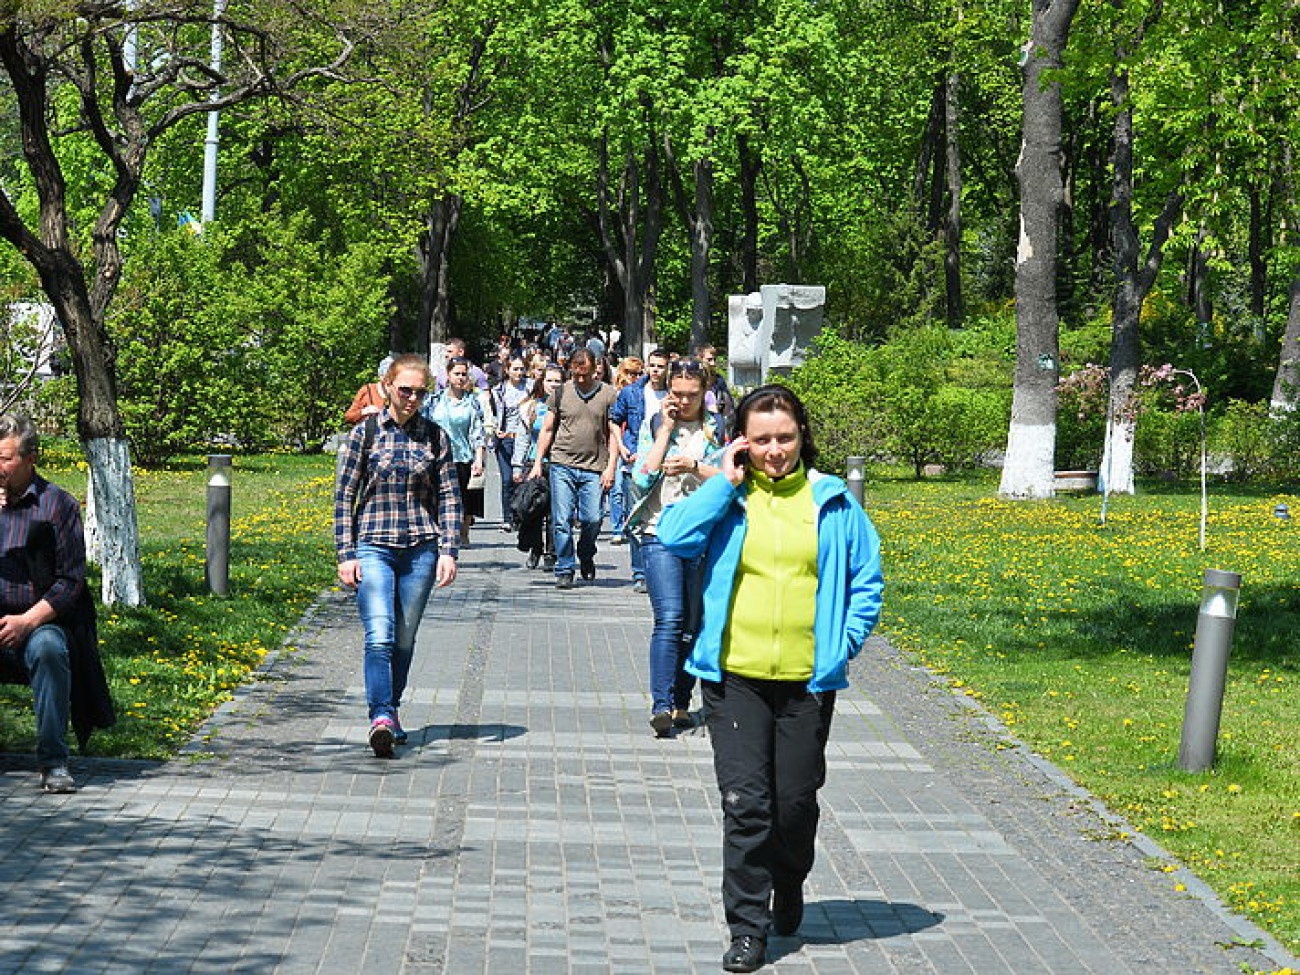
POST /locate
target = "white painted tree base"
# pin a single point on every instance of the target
(1116, 474)
(112, 532)
(1029, 471)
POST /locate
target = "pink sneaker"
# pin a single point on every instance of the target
(382, 737)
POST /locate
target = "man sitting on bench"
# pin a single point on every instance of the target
(46, 613)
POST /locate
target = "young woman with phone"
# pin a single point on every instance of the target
(792, 589)
(671, 463)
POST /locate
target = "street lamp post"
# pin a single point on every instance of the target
(1214, 626)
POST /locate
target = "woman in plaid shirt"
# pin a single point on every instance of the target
(397, 522)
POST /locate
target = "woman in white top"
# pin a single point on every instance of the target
(672, 450)
(458, 411)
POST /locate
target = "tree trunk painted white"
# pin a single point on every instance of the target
(90, 521)
(111, 510)
(1286, 385)
(1031, 448)
(1116, 474)
(1029, 468)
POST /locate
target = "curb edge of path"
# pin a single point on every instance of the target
(1251, 935)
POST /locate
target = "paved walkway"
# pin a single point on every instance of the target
(533, 825)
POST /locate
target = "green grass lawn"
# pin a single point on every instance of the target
(170, 663)
(1079, 637)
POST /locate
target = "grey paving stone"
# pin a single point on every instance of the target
(534, 825)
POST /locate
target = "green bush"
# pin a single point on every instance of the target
(1244, 434)
(967, 425)
(900, 401)
(254, 338)
(833, 385)
(53, 405)
(1283, 461)
(1168, 443)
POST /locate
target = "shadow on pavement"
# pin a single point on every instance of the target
(431, 733)
(134, 874)
(839, 922)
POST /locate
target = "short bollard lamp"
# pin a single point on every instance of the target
(216, 568)
(1214, 626)
(855, 473)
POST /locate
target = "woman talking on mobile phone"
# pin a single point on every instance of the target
(792, 589)
(671, 450)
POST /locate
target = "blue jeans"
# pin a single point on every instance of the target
(43, 662)
(574, 491)
(676, 598)
(504, 450)
(394, 588)
(618, 501)
(633, 537)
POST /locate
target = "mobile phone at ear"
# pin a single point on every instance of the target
(742, 458)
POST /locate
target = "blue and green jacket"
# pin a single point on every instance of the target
(711, 522)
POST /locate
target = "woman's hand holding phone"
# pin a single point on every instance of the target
(735, 460)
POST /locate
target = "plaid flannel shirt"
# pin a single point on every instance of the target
(389, 497)
(41, 503)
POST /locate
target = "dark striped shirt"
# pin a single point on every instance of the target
(402, 493)
(42, 550)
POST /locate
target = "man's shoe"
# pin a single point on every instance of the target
(564, 580)
(57, 779)
(548, 562)
(746, 954)
(588, 569)
(682, 718)
(787, 909)
(533, 559)
(662, 723)
(382, 737)
(638, 585)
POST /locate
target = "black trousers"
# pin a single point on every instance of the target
(769, 754)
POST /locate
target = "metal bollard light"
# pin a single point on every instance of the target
(1214, 627)
(216, 568)
(855, 475)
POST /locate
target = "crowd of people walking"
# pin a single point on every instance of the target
(763, 574)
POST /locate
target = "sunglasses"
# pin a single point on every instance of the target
(406, 392)
(689, 367)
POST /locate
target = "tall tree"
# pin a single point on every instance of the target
(630, 218)
(75, 85)
(1028, 470)
(1135, 275)
(955, 304)
(468, 97)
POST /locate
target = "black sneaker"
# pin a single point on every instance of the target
(746, 954)
(533, 559)
(662, 723)
(564, 580)
(588, 568)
